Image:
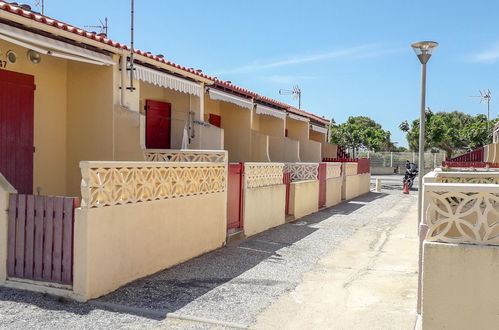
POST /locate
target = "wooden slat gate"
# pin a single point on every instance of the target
(40, 238)
(287, 182)
(322, 184)
(235, 188)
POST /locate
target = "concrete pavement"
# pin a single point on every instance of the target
(368, 282)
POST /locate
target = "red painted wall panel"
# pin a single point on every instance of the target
(235, 196)
(287, 181)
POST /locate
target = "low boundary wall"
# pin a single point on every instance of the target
(264, 197)
(5, 190)
(304, 198)
(334, 182)
(357, 185)
(460, 286)
(333, 191)
(460, 250)
(139, 218)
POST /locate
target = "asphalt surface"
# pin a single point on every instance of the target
(227, 288)
(392, 182)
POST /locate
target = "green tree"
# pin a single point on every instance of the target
(360, 133)
(450, 131)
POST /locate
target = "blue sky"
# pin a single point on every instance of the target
(349, 57)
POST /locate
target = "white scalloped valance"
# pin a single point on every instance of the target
(319, 129)
(52, 47)
(226, 97)
(166, 80)
(295, 117)
(263, 110)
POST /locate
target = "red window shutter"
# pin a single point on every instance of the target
(158, 125)
(215, 120)
(286, 132)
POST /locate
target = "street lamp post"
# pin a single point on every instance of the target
(423, 50)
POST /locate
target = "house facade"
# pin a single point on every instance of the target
(82, 105)
(115, 165)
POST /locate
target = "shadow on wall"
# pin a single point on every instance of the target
(168, 291)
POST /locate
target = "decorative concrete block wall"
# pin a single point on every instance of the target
(138, 218)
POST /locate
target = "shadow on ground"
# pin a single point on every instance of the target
(168, 291)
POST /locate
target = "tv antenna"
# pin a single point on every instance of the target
(40, 4)
(296, 92)
(104, 27)
(485, 96)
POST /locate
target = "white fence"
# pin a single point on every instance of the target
(398, 159)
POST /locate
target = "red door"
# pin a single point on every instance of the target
(235, 196)
(158, 124)
(322, 184)
(17, 92)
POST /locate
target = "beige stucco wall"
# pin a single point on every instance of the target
(268, 125)
(118, 244)
(495, 152)
(329, 150)
(236, 122)
(283, 149)
(357, 185)
(264, 208)
(460, 286)
(49, 167)
(333, 191)
(5, 190)
(486, 156)
(297, 129)
(211, 106)
(310, 151)
(129, 124)
(317, 136)
(259, 147)
(90, 118)
(207, 137)
(303, 198)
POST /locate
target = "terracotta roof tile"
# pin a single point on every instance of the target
(5, 6)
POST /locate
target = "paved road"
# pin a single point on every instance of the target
(393, 182)
(232, 287)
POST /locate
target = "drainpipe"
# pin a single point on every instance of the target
(201, 102)
(123, 78)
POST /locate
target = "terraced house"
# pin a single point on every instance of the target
(116, 164)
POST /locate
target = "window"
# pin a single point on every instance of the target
(215, 120)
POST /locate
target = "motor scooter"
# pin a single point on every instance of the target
(411, 173)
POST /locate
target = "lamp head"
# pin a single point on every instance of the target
(424, 49)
